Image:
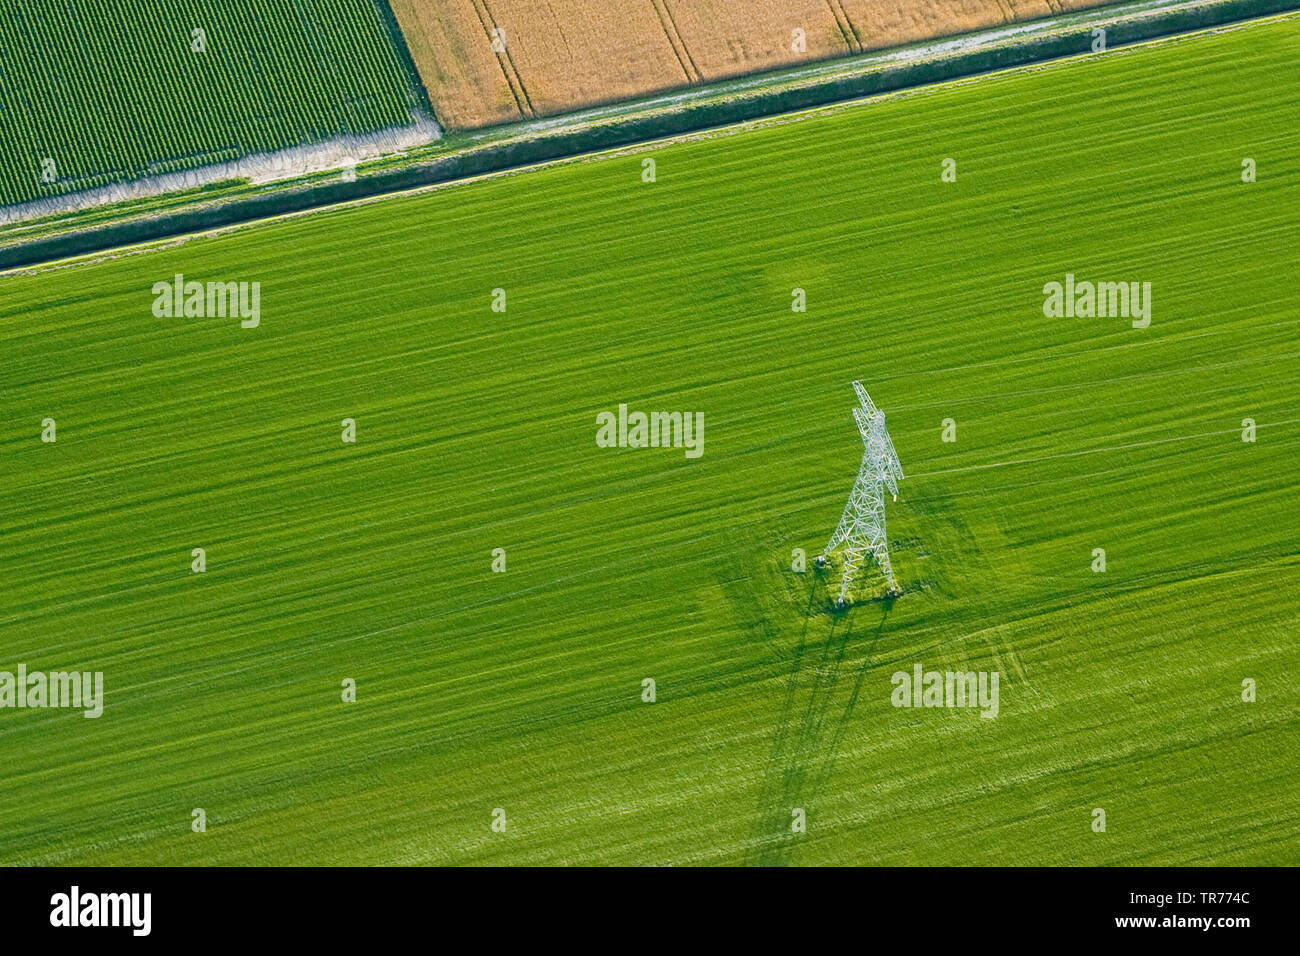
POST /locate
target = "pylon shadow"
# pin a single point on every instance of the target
(805, 744)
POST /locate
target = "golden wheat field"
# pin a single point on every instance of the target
(493, 61)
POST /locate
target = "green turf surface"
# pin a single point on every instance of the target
(476, 430)
(111, 93)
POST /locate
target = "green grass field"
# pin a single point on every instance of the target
(476, 430)
(104, 94)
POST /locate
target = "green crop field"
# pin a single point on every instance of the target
(522, 691)
(97, 93)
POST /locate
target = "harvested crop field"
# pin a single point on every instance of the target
(495, 61)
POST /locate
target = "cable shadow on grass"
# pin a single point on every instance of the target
(810, 730)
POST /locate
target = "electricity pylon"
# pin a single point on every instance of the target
(862, 528)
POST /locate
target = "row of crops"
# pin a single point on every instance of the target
(93, 93)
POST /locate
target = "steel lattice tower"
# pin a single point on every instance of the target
(862, 528)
